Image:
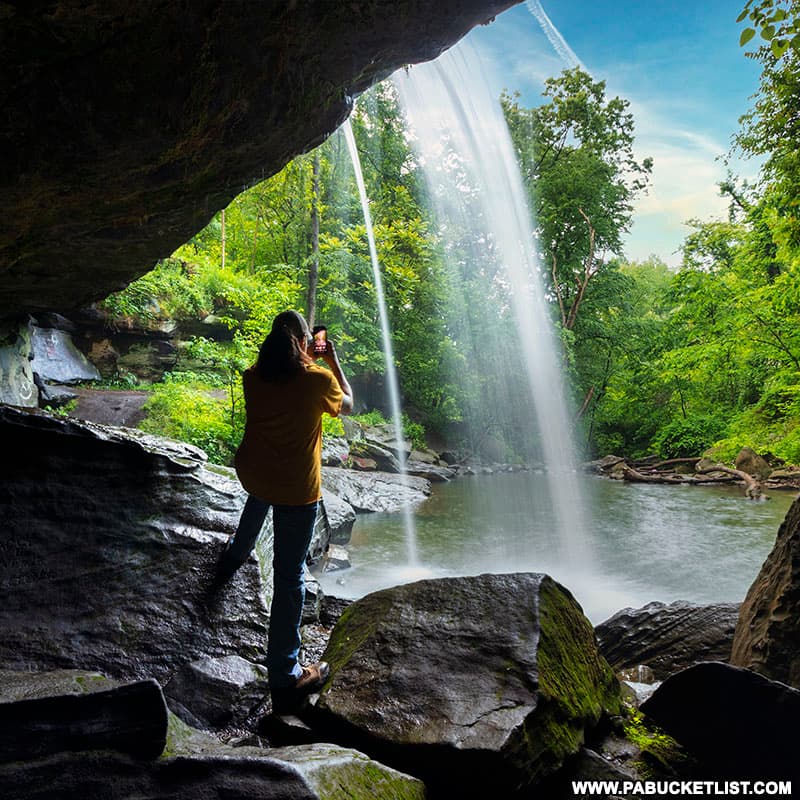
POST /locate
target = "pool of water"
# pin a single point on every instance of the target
(641, 542)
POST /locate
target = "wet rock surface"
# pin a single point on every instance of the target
(767, 637)
(17, 385)
(135, 748)
(375, 491)
(111, 540)
(668, 637)
(216, 692)
(483, 683)
(57, 360)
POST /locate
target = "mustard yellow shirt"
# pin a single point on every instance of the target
(279, 459)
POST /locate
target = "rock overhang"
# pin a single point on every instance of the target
(128, 125)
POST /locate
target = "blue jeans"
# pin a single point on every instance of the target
(293, 528)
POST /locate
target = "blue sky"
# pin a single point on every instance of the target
(680, 66)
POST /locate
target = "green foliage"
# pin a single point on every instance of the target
(371, 419)
(332, 426)
(169, 291)
(776, 21)
(684, 438)
(576, 154)
(181, 410)
(415, 432)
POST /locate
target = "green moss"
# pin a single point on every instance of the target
(93, 683)
(354, 628)
(572, 673)
(356, 777)
(660, 753)
(179, 737)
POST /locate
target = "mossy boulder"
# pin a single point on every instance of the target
(475, 683)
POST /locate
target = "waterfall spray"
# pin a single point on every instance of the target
(452, 110)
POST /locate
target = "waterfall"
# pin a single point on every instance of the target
(460, 133)
(388, 352)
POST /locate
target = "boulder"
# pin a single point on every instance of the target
(668, 637)
(110, 544)
(753, 464)
(477, 685)
(375, 491)
(589, 765)
(337, 558)
(424, 456)
(101, 774)
(335, 451)
(47, 713)
(605, 463)
(17, 387)
(337, 772)
(735, 722)
(215, 692)
(431, 472)
(340, 516)
(110, 406)
(767, 637)
(384, 436)
(57, 360)
(373, 451)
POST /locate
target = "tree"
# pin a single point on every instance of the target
(576, 153)
(777, 21)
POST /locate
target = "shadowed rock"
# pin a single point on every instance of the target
(44, 714)
(737, 723)
(128, 125)
(110, 547)
(484, 683)
(341, 517)
(110, 543)
(102, 774)
(668, 637)
(767, 637)
(217, 691)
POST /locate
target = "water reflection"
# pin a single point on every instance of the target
(649, 542)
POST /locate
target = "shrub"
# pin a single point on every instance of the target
(190, 414)
(689, 436)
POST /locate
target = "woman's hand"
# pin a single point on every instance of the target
(329, 356)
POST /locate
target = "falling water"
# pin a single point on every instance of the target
(391, 370)
(457, 119)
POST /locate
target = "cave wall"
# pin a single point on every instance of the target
(126, 126)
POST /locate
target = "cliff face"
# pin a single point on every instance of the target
(126, 126)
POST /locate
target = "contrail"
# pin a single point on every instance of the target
(563, 50)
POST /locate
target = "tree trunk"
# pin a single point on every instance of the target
(313, 264)
(589, 272)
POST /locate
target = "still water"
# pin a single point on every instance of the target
(642, 543)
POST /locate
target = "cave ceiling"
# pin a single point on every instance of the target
(127, 125)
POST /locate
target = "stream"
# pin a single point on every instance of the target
(642, 543)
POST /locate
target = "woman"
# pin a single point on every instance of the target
(279, 464)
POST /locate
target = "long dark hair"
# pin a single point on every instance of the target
(283, 352)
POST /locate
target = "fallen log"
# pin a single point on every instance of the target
(670, 461)
(753, 489)
(634, 476)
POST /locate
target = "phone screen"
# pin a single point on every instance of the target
(320, 340)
